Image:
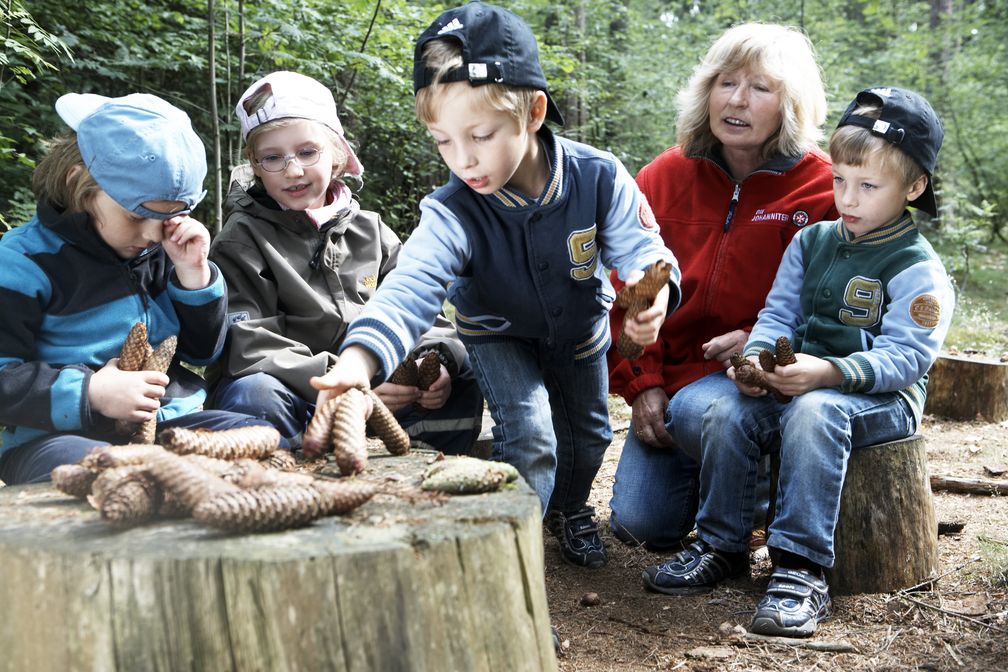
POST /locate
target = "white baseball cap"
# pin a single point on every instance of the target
(295, 96)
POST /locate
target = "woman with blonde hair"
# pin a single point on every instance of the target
(745, 175)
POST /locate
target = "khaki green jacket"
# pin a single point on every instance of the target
(293, 288)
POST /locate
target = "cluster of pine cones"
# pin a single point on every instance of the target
(138, 355)
(635, 298)
(747, 373)
(236, 480)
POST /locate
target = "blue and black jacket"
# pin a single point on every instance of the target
(68, 302)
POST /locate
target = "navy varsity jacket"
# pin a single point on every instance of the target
(517, 267)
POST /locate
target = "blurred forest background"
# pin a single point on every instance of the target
(614, 67)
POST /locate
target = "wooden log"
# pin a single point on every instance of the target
(969, 486)
(966, 387)
(419, 584)
(887, 535)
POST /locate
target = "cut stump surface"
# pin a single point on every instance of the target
(399, 584)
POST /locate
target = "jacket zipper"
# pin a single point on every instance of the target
(732, 204)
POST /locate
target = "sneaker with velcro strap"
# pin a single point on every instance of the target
(696, 569)
(578, 534)
(794, 604)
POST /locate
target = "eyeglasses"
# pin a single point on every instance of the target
(276, 163)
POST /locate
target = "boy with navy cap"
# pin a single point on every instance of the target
(111, 244)
(518, 240)
(866, 302)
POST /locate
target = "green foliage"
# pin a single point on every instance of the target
(614, 66)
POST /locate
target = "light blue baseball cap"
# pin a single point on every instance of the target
(138, 148)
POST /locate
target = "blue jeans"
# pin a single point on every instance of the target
(656, 489)
(31, 462)
(551, 421)
(815, 434)
(452, 429)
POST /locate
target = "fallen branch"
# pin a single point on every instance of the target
(811, 644)
(969, 486)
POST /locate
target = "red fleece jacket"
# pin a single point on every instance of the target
(729, 238)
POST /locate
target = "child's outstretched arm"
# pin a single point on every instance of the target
(354, 368)
(808, 373)
(187, 243)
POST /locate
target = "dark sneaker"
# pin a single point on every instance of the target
(577, 532)
(794, 604)
(696, 569)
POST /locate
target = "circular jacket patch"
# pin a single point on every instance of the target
(925, 310)
(800, 218)
(645, 215)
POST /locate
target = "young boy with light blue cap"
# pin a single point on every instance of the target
(112, 243)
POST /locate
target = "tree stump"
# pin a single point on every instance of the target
(965, 387)
(887, 535)
(423, 584)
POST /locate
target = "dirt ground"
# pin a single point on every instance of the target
(961, 624)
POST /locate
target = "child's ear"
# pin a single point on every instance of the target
(537, 113)
(73, 173)
(917, 188)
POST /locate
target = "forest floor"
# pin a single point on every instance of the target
(961, 623)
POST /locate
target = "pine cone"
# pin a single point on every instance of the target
(467, 475)
(107, 457)
(109, 479)
(406, 373)
(385, 426)
(135, 349)
(751, 376)
(131, 358)
(158, 360)
(73, 479)
(738, 361)
(636, 298)
(186, 483)
(317, 439)
(766, 360)
(252, 475)
(281, 459)
(429, 370)
(262, 510)
(131, 501)
(339, 497)
(348, 434)
(785, 353)
(255, 442)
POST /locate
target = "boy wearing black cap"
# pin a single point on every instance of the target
(866, 302)
(522, 233)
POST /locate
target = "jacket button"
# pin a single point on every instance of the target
(636, 370)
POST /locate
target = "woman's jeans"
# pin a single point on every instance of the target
(551, 421)
(815, 433)
(656, 490)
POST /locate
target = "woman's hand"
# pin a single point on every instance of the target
(721, 347)
(648, 418)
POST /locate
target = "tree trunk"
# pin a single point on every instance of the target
(397, 585)
(887, 535)
(964, 387)
(215, 166)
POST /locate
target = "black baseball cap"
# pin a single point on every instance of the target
(497, 46)
(908, 121)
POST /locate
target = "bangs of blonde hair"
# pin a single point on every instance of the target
(854, 146)
(339, 155)
(780, 53)
(61, 178)
(442, 56)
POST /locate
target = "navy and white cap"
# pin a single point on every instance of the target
(497, 47)
(908, 121)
